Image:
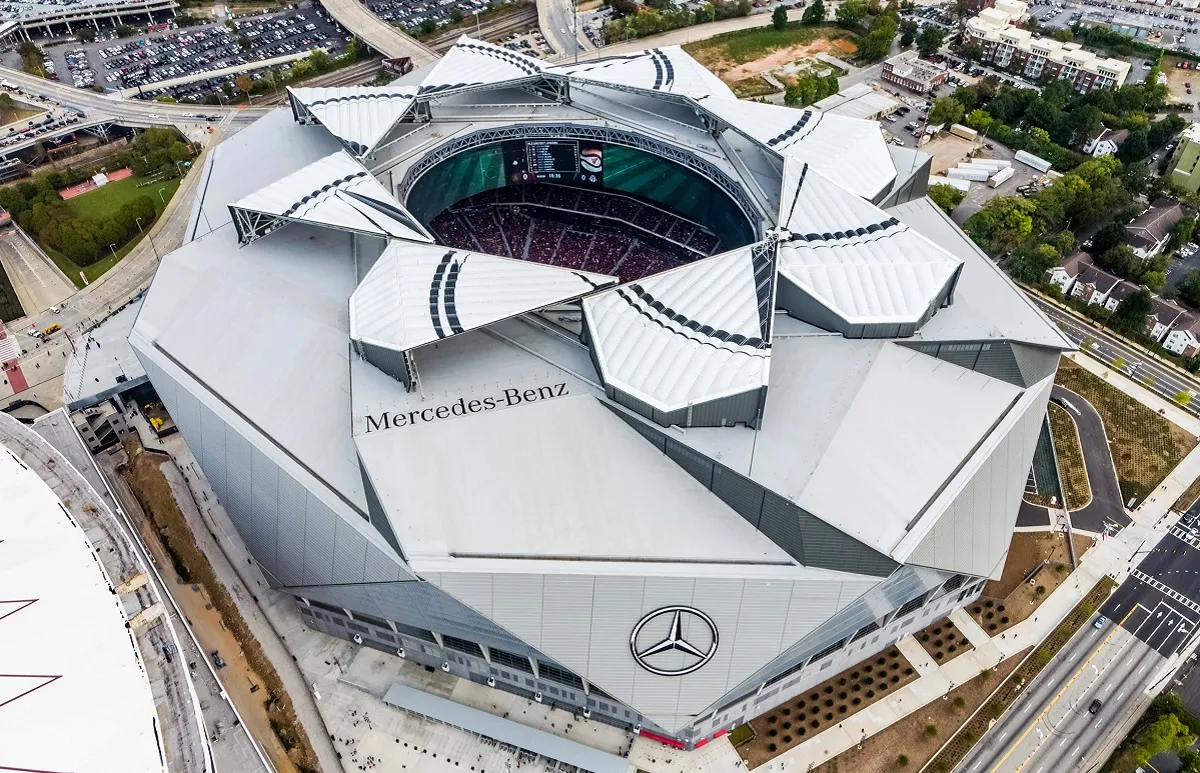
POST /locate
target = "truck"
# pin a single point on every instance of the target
(1028, 159)
(967, 133)
(51, 329)
(998, 178)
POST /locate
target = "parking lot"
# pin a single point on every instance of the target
(1166, 26)
(143, 61)
(411, 14)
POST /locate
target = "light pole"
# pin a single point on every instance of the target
(160, 197)
(153, 246)
(139, 224)
(114, 250)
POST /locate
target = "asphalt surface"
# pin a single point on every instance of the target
(1106, 511)
(1164, 379)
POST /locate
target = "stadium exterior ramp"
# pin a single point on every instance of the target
(670, 503)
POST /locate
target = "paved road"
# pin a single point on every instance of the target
(561, 28)
(38, 282)
(1107, 505)
(1164, 379)
(378, 34)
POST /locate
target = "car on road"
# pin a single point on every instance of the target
(1100, 622)
(1095, 707)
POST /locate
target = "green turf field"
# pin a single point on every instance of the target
(106, 200)
(10, 307)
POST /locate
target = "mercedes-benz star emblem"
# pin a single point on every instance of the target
(677, 641)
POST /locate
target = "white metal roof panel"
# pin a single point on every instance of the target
(668, 69)
(69, 661)
(473, 63)
(544, 474)
(688, 335)
(416, 294)
(912, 422)
(336, 191)
(861, 263)
(849, 151)
(359, 116)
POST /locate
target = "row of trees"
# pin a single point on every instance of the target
(638, 21)
(1166, 726)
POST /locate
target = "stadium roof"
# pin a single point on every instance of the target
(473, 63)
(689, 335)
(417, 294)
(859, 262)
(666, 70)
(73, 693)
(336, 192)
(359, 116)
(848, 151)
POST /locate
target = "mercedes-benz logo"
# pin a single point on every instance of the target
(678, 640)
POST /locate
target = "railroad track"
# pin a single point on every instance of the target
(516, 22)
(353, 75)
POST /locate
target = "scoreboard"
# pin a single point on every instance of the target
(565, 161)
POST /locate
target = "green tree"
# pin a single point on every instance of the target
(1003, 223)
(1130, 316)
(979, 120)
(1181, 234)
(456, 15)
(945, 111)
(779, 17)
(946, 196)
(1135, 147)
(879, 41)
(850, 13)
(908, 32)
(814, 14)
(930, 40)
(87, 34)
(1189, 288)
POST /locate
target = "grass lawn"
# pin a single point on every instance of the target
(11, 114)
(1145, 446)
(742, 46)
(102, 203)
(10, 306)
(1076, 490)
(1187, 498)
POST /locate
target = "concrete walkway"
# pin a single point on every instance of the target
(915, 654)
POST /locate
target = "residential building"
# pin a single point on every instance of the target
(1105, 142)
(1149, 231)
(1165, 318)
(914, 73)
(1123, 290)
(1010, 47)
(1186, 158)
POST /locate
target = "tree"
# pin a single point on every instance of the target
(908, 32)
(946, 196)
(979, 120)
(1189, 288)
(87, 34)
(930, 40)
(850, 13)
(945, 111)
(879, 41)
(1181, 234)
(814, 14)
(456, 15)
(779, 17)
(1108, 237)
(970, 51)
(1130, 316)
(1003, 223)
(1135, 147)
(243, 83)
(126, 30)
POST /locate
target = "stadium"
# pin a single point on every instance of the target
(595, 384)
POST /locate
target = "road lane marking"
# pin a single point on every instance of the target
(1120, 695)
(1061, 692)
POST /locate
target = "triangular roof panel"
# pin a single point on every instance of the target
(416, 294)
(849, 151)
(337, 192)
(471, 63)
(669, 69)
(852, 257)
(689, 335)
(359, 116)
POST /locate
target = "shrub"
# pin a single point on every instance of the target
(959, 702)
(902, 761)
(931, 730)
(985, 674)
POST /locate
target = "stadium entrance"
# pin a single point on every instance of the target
(579, 204)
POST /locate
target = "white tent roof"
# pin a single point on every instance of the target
(73, 692)
(860, 262)
(416, 294)
(688, 335)
(336, 191)
(359, 116)
(849, 151)
(475, 63)
(666, 69)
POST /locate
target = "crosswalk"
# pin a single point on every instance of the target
(1166, 590)
(1183, 535)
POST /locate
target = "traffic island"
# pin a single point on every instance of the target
(824, 706)
(1077, 493)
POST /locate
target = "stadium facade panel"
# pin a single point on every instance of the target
(597, 385)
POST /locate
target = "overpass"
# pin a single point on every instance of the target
(378, 34)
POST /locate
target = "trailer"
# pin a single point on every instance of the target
(1000, 177)
(1028, 159)
(992, 163)
(967, 133)
(962, 185)
(975, 175)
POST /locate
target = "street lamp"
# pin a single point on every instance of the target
(153, 246)
(114, 250)
(139, 224)
(160, 196)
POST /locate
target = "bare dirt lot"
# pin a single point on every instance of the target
(1008, 601)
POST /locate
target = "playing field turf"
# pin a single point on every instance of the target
(107, 200)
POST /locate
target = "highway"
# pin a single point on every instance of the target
(1165, 380)
(560, 27)
(377, 33)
